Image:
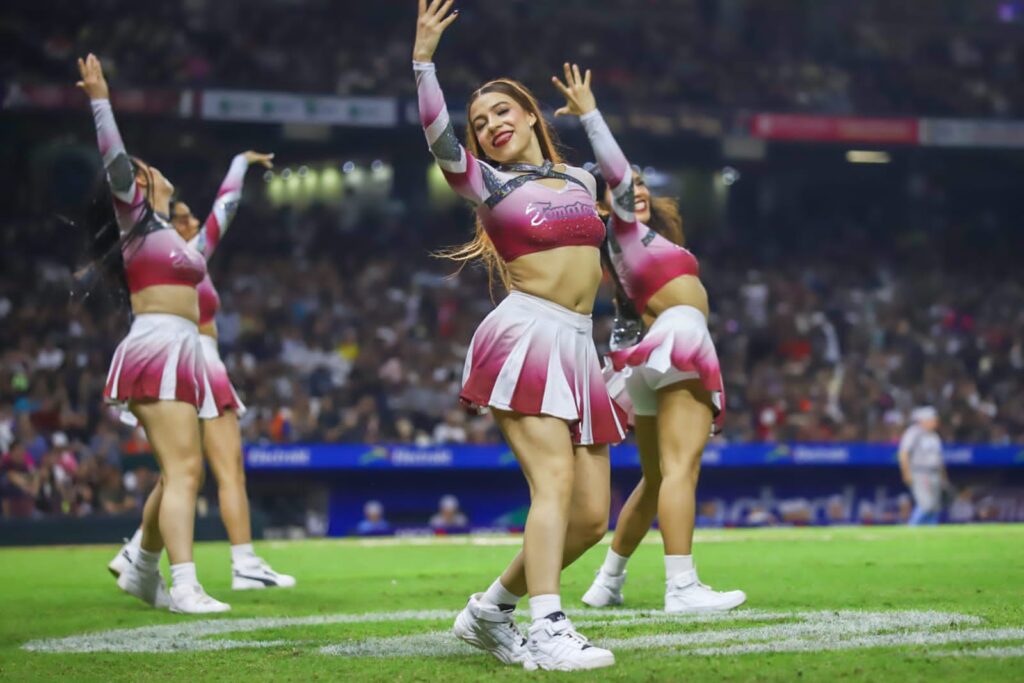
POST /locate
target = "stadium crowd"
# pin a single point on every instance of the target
(360, 337)
(870, 57)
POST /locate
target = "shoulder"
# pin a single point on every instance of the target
(583, 176)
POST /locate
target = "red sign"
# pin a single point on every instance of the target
(834, 129)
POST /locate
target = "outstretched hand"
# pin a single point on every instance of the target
(431, 22)
(93, 82)
(579, 99)
(266, 160)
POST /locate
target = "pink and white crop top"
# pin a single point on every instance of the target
(644, 261)
(212, 231)
(159, 256)
(521, 216)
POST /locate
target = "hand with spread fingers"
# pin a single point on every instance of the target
(266, 160)
(433, 19)
(579, 99)
(93, 82)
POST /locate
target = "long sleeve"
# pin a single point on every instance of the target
(614, 167)
(464, 172)
(129, 200)
(224, 208)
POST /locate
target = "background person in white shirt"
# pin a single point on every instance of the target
(922, 467)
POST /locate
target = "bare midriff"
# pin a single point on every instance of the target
(567, 276)
(685, 290)
(179, 300)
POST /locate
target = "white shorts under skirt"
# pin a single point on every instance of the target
(677, 347)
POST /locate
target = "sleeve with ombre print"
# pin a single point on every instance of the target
(224, 209)
(129, 200)
(614, 167)
(463, 171)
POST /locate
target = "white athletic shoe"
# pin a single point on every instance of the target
(685, 594)
(257, 574)
(192, 599)
(125, 558)
(492, 630)
(554, 645)
(150, 588)
(606, 591)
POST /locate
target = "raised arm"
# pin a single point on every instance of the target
(461, 169)
(616, 170)
(226, 204)
(129, 200)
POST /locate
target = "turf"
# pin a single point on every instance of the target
(977, 571)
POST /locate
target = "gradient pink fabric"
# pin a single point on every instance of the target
(206, 241)
(224, 395)
(534, 357)
(532, 217)
(679, 339)
(160, 359)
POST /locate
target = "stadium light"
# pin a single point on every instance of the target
(867, 156)
(730, 175)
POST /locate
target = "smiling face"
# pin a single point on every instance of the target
(641, 199)
(502, 126)
(183, 220)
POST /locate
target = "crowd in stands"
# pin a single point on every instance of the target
(360, 337)
(871, 57)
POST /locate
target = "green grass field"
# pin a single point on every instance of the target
(872, 604)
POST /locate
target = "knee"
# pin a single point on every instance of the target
(590, 527)
(679, 475)
(229, 474)
(554, 485)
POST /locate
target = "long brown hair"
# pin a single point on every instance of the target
(665, 219)
(481, 247)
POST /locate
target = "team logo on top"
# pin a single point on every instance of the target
(541, 212)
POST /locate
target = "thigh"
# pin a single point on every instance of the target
(684, 422)
(222, 443)
(542, 444)
(172, 428)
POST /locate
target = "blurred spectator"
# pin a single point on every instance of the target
(18, 482)
(453, 429)
(448, 515)
(373, 521)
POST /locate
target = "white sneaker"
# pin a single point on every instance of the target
(150, 588)
(492, 630)
(192, 599)
(554, 645)
(685, 594)
(125, 558)
(606, 591)
(257, 574)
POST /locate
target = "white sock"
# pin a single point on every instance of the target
(136, 539)
(147, 562)
(497, 595)
(543, 605)
(614, 564)
(677, 564)
(184, 574)
(241, 553)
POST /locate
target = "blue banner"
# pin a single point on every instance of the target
(405, 457)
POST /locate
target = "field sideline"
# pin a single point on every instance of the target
(868, 604)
